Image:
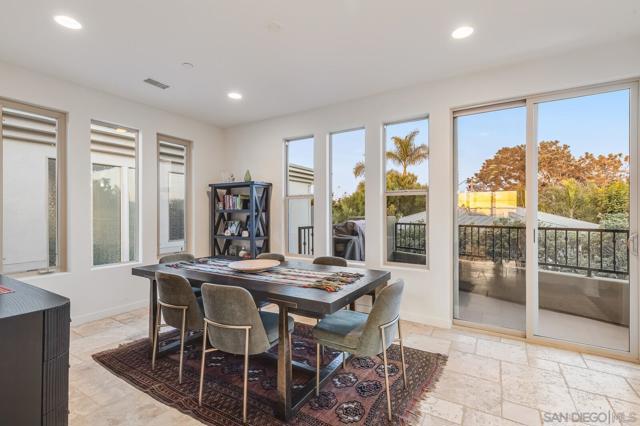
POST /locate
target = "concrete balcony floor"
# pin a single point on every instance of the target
(482, 309)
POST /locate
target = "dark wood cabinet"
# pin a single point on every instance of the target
(34, 356)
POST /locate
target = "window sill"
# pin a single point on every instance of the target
(35, 276)
(116, 265)
(405, 267)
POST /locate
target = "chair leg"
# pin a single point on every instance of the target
(344, 360)
(404, 364)
(317, 369)
(386, 373)
(246, 377)
(204, 355)
(182, 331)
(155, 338)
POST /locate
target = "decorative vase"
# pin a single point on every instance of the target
(247, 176)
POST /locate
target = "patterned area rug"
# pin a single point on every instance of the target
(354, 396)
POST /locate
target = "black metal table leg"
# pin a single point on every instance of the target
(153, 307)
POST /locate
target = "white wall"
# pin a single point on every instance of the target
(428, 298)
(97, 292)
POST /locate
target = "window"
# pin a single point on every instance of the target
(173, 172)
(114, 193)
(299, 195)
(406, 191)
(347, 194)
(32, 139)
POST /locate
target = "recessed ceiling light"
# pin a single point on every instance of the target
(462, 32)
(187, 65)
(67, 22)
(234, 95)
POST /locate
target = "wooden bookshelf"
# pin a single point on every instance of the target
(247, 203)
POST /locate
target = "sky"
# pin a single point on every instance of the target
(598, 124)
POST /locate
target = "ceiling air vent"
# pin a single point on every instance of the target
(156, 83)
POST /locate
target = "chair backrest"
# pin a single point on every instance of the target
(330, 261)
(386, 309)
(177, 257)
(176, 290)
(230, 305)
(272, 256)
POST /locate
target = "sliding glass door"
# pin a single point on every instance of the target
(585, 208)
(490, 226)
(546, 217)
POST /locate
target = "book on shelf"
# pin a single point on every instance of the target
(235, 202)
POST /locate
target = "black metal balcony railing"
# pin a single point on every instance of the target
(602, 251)
(410, 237)
(305, 240)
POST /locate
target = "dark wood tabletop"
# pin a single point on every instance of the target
(307, 299)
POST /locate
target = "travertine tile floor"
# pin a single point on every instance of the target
(488, 380)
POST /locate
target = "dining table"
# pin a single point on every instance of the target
(290, 299)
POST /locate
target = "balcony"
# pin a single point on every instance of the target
(582, 274)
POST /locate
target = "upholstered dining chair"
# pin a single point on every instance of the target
(180, 309)
(339, 261)
(180, 257)
(272, 256)
(365, 335)
(233, 324)
(176, 257)
(330, 261)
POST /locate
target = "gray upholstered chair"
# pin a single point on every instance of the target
(234, 325)
(176, 257)
(272, 256)
(180, 257)
(180, 309)
(339, 261)
(330, 261)
(365, 335)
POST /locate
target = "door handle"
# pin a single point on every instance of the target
(632, 243)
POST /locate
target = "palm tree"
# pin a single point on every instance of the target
(358, 169)
(406, 153)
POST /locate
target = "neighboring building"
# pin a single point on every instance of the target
(300, 212)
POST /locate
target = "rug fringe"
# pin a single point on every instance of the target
(413, 414)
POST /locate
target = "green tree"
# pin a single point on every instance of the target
(406, 153)
(570, 198)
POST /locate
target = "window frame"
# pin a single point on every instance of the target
(188, 146)
(287, 197)
(61, 118)
(407, 192)
(124, 174)
(330, 187)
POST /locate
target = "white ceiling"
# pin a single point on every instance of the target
(326, 51)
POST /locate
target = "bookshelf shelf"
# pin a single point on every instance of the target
(240, 206)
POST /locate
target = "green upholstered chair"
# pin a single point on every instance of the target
(177, 257)
(330, 261)
(365, 335)
(180, 309)
(339, 261)
(272, 256)
(180, 257)
(233, 324)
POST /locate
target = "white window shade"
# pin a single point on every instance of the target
(172, 195)
(29, 191)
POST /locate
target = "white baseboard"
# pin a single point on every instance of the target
(93, 316)
(426, 319)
